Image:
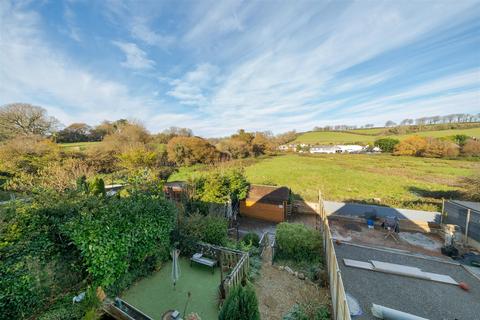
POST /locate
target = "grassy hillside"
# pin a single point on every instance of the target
(405, 182)
(369, 135)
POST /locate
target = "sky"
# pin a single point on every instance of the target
(218, 66)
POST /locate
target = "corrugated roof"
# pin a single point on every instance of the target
(268, 194)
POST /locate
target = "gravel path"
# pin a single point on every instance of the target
(278, 291)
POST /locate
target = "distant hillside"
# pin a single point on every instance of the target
(365, 136)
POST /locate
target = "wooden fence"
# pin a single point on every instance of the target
(236, 260)
(337, 290)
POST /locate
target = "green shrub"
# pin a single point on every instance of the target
(97, 186)
(386, 144)
(241, 304)
(297, 242)
(251, 238)
(210, 229)
(121, 234)
(307, 311)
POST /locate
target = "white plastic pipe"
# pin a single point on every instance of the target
(382, 312)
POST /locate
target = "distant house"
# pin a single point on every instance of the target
(283, 147)
(268, 203)
(350, 148)
(324, 149)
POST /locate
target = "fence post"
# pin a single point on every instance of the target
(443, 211)
(466, 226)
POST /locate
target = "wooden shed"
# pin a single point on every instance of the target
(174, 190)
(268, 203)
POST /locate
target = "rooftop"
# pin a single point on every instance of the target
(424, 298)
(268, 194)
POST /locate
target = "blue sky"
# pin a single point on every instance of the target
(217, 66)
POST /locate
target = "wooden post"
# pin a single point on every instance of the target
(466, 226)
(443, 211)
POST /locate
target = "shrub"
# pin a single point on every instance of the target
(386, 144)
(251, 238)
(210, 229)
(297, 242)
(117, 235)
(411, 146)
(437, 148)
(241, 304)
(97, 186)
(471, 148)
(307, 311)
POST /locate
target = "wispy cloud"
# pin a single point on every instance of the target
(191, 89)
(217, 67)
(135, 58)
(39, 74)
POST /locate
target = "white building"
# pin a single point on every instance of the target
(324, 149)
(350, 148)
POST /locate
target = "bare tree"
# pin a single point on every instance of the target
(25, 119)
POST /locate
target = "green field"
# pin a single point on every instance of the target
(403, 182)
(78, 145)
(366, 136)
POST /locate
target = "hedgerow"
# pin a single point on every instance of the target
(297, 242)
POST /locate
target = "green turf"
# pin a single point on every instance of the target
(155, 294)
(78, 145)
(365, 136)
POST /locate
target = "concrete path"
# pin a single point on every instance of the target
(359, 210)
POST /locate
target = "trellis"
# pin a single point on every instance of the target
(230, 259)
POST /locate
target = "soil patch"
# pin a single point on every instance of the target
(278, 291)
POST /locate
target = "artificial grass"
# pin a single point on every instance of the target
(155, 294)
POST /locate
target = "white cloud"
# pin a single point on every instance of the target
(189, 90)
(135, 57)
(140, 30)
(32, 71)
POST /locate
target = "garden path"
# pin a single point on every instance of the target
(278, 291)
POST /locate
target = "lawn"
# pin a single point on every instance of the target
(78, 145)
(405, 182)
(155, 294)
(362, 135)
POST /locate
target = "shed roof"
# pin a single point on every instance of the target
(268, 194)
(467, 204)
(429, 299)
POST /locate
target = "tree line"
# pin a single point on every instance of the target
(30, 155)
(454, 118)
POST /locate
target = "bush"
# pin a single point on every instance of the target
(97, 187)
(307, 311)
(471, 148)
(437, 148)
(117, 235)
(251, 238)
(386, 144)
(210, 229)
(241, 304)
(411, 146)
(297, 242)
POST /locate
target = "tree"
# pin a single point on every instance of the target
(190, 150)
(390, 123)
(386, 144)
(25, 119)
(471, 148)
(76, 132)
(411, 146)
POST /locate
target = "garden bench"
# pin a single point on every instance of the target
(200, 259)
